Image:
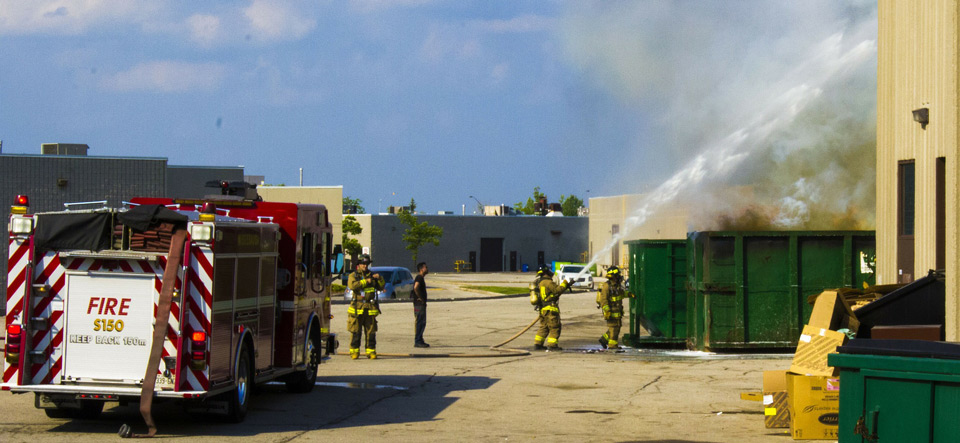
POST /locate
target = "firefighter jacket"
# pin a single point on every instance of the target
(550, 295)
(364, 288)
(610, 299)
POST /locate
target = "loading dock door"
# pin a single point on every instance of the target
(491, 254)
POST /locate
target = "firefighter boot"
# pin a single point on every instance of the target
(603, 342)
(539, 347)
(354, 354)
(372, 355)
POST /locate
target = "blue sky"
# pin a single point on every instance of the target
(432, 100)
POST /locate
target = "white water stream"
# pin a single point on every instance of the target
(721, 159)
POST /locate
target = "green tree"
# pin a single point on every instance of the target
(571, 205)
(418, 233)
(351, 226)
(527, 208)
(353, 203)
(413, 206)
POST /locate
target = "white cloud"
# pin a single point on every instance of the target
(204, 29)
(271, 21)
(369, 6)
(71, 17)
(523, 23)
(166, 76)
(500, 72)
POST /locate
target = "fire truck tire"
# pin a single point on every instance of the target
(303, 382)
(240, 396)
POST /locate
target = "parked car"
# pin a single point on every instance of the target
(398, 282)
(584, 281)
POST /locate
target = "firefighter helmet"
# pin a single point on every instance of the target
(613, 272)
(545, 270)
(364, 259)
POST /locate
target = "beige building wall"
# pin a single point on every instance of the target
(366, 233)
(917, 58)
(329, 196)
(609, 213)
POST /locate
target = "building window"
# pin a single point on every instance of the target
(906, 212)
(941, 213)
(907, 197)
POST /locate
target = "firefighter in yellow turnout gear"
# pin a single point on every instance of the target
(364, 308)
(545, 295)
(610, 300)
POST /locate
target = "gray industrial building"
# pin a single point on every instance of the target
(190, 181)
(64, 173)
(488, 244)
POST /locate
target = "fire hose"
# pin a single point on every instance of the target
(159, 335)
(501, 352)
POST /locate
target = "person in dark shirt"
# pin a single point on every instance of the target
(419, 296)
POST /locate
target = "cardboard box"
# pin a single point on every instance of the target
(815, 344)
(776, 411)
(814, 406)
(831, 311)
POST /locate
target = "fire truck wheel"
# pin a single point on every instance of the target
(240, 396)
(303, 382)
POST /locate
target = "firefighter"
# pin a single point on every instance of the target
(545, 295)
(364, 308)
(610, 300)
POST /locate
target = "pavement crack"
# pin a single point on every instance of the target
(467, 371)
(652, 382)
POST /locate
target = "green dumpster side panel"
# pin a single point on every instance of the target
(658, 279)
(750, 289)
(947, 406)
(905, 399)
(901, 409)
(767, 294)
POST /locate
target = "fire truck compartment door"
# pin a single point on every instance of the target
(109, 326)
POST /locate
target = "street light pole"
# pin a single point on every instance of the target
(479, 205)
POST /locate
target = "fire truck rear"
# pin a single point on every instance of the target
(248, 303)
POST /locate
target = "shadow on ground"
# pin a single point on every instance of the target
(335, 402)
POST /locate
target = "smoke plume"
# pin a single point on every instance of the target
(778, 99)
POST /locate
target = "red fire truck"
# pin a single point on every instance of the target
(249, 301)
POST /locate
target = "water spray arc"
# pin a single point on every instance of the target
(720, 160)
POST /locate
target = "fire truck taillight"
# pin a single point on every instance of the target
(20, 205)
(198, 351)
(14, 338)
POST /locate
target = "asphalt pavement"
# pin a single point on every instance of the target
(580, 394)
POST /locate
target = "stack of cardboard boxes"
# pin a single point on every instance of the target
(806, 398)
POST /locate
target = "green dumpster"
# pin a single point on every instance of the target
(748, 289)
(898, 391)
(658, 274)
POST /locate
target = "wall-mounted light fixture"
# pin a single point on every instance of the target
(922, 116)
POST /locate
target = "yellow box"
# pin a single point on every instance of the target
(814, 406)
(776, 413)
(812, 349)
(831, 311)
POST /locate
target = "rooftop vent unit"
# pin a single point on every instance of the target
(63, 149)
